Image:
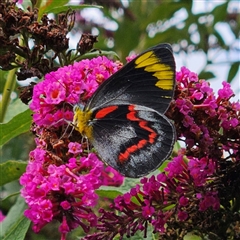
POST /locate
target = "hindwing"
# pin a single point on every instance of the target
(133, 139)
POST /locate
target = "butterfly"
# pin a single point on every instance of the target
(124, 119)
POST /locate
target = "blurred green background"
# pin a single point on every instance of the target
(204, 36)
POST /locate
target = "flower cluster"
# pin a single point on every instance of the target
(69, 85)
(202, 177)
(61, 177)
(169, 199)
(62, 192)
(202, 116)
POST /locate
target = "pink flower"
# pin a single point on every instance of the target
(226, 92)
(74, 147)
(182, 215)
(61, 179)
(68, 84)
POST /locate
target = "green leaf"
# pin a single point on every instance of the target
(96, 53)
(15, 225)
(60, 9)
(139, 234)
(128, 184)
(16, 107)
(17, 125)
(11, 170)
(108, 192)
(19, 230)
(45, 6)
(191, 236)
(233, 71)
(58, 6)
(164, 165)
(220, 12)
(169, 207)
(206, 75)
(9, 196)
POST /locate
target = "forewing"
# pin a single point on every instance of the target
(148, 80)
(133, 139)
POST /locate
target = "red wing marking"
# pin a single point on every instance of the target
(132, 116)
(152, 136)
(105, 111)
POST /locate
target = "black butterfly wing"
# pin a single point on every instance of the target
(133, 139)
(147, 80)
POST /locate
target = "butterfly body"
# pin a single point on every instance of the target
(124, 119)
(82, 121)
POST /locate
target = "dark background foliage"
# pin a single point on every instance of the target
(122, 27)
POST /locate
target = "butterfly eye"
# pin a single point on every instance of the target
(75, 108)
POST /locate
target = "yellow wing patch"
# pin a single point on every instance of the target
(163, 72)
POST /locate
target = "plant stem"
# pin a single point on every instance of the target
(8, 88)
